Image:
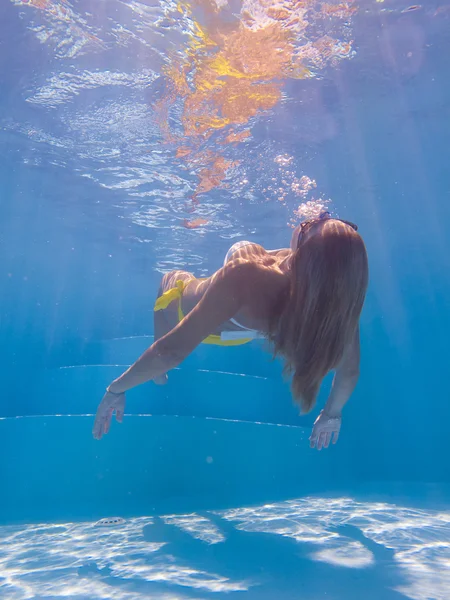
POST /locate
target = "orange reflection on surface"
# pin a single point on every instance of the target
(195, 223)
(236, 83)
(234, 69)
(41, 4)
(235, 138)
(50, 5)
(183, 151)
(342, 11)
(213, 175)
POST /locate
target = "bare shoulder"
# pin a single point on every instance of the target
(240, 269)
(243, 272)
(250, 279)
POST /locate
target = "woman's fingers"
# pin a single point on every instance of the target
(99, 425)
(321, 441)
(119, 413)
(104, 414)
(95, 430)
(107, 422)
(120, 409)
(323, 435)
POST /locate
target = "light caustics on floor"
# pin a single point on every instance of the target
(335, 546)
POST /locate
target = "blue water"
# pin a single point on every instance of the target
(108, 181)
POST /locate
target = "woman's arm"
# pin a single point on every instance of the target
(228, 292)
(160, 328)
(328, 423)
(345, 379)
(224, 298)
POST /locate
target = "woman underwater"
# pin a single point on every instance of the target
(306, 300)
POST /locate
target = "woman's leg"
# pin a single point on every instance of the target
(160, 327)
(163, 322)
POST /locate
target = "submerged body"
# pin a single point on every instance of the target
(306, 300)
(251, 322)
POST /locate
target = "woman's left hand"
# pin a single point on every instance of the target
(110, 403)
(325, 428)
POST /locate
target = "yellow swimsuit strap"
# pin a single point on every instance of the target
(176, 293)
(168, 297)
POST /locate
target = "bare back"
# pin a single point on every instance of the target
(261, 290)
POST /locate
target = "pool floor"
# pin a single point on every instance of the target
(339, 548)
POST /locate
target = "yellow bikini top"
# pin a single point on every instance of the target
(176, 293)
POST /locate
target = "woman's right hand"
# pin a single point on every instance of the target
(110, 403)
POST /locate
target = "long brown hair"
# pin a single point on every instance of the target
(318, 315)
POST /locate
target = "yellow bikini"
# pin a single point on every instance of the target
(176, 293)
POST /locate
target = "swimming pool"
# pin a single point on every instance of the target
(193, 519)
(140, 137)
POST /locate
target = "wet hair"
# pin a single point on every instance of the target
(316, 318)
